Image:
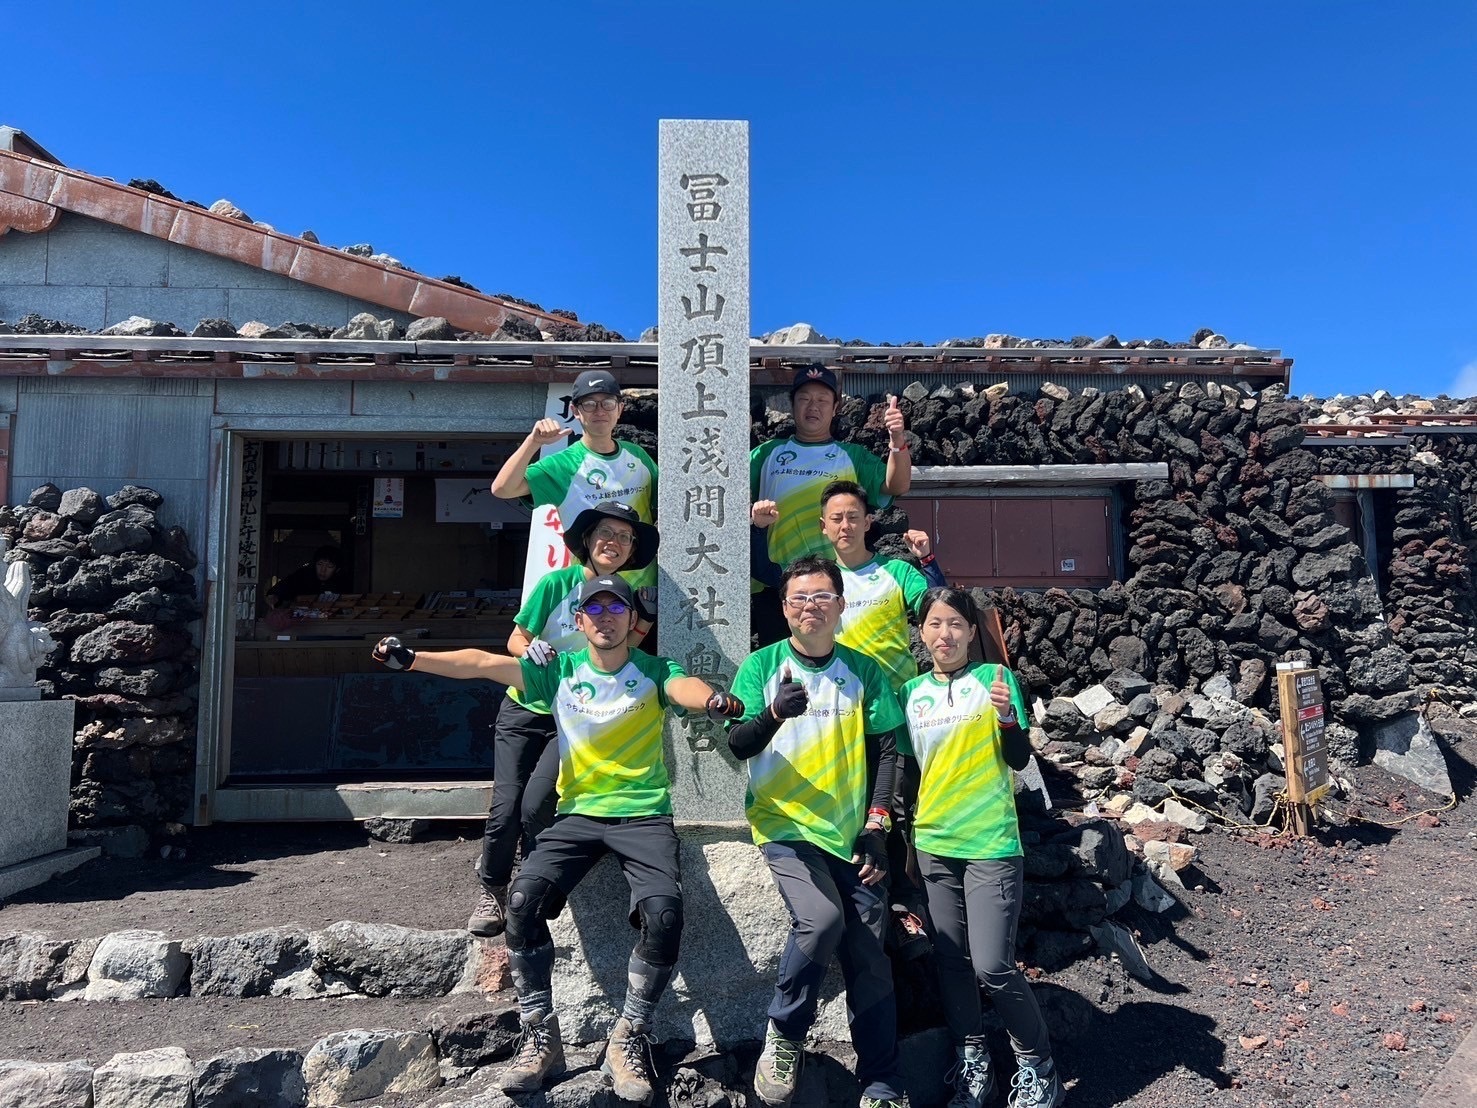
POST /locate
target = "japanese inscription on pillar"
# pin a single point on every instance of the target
(703, 430)
(249, 536)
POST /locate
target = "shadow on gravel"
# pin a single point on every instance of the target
(1158, 928)
(1116, 1055)
(1462, 773)
(208, 849)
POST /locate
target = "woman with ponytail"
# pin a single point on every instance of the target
(964, 726)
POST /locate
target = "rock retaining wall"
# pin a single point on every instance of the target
(1234, 562)
(114, 588)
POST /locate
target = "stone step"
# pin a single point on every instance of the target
(345, 959)
(267, 1052)
(261, 1052)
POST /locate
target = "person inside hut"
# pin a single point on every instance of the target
(322, 577)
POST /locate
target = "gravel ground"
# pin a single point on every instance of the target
(1336, 970)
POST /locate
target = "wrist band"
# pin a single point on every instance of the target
(926, 560)
(881, 816)
(904, 449)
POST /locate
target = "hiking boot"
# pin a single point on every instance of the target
(778, 1071)
(628, 1061)
(490, 915)
(896, 1102)
(540, 1053)
(1036, 1086)
(971, 1077)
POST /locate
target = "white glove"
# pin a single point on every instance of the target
(539, 653)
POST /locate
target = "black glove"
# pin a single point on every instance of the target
(393, 654)
(790, 699)
(870, 851)
(722, 705)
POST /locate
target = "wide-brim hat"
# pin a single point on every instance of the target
(643, 550)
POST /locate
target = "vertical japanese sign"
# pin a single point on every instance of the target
(249, 536)
(703, 429)
(1304, 747)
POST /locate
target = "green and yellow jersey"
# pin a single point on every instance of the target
(794, 474)
(966, 798)
(811, 781)
(577, 478)
(880, 596)
(610, 732)
(548, 613)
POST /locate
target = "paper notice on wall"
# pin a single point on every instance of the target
(389, 497)
(470, 500)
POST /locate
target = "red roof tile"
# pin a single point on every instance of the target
(33, 193)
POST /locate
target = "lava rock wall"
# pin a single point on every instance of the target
(1234, 562)
(114, 588)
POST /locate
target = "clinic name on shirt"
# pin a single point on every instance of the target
(957, 717)
(601, 713)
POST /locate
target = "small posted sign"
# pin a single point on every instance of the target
(389, 497)
(1303, 740)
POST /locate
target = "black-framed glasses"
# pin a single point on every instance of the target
(602, 403)
(614, 607)
(800, 600)
(609, 534)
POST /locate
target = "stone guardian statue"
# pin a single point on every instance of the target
(24, 644)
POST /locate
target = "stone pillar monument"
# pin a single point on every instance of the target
(736, 924)
(703, 432)
(35, 749)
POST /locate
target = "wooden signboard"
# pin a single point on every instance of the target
(1303, 742)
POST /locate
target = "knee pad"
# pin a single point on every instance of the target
(525, 924)
(661, 929)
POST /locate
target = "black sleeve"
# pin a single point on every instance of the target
(761, 568)
(933, 573)
(749, 738)
(300, 582)
(882, 750)
(1015, 744)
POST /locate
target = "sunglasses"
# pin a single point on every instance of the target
(615, 608)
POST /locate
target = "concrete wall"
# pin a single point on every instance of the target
(94, 274)
(107, 433)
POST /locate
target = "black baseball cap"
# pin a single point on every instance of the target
(616, 586)
(815, 374)
(592, 382)
(643, 552)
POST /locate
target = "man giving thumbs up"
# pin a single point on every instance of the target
(786, 477)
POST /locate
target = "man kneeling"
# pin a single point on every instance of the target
(614, 797)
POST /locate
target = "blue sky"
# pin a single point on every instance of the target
(1295, 175)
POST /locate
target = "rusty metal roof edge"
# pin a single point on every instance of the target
(645, 351)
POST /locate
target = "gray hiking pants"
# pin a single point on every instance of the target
(975, 908)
